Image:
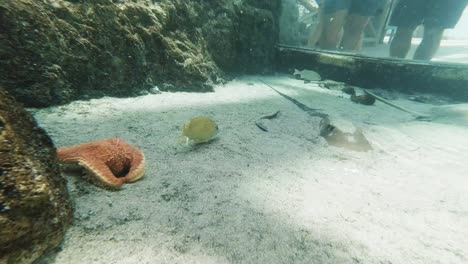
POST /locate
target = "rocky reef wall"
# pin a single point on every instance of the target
(55, 51)
(35, 208)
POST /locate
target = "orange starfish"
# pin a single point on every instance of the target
(110, 162)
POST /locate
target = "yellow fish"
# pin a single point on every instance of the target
(199, 130)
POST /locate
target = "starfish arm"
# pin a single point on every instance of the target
(67, 155)
(101, 173)
(74, 153)
(137, 168)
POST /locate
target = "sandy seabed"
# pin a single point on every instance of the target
(283, 196)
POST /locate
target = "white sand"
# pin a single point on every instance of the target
(282, 196)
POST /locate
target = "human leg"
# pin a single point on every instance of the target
(331, 29)
(401, 42)
(439, 17)
(330, 36)
(353, 32)
(407, 15)
(315, 35)
(429, 44)
(317, 31)
(335, 12)
(360, 13)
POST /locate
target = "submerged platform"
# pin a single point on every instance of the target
(409, 76)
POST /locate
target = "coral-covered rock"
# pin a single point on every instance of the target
(34, 204)
(54, 51)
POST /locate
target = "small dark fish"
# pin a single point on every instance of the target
(349, 90)
(365, 99)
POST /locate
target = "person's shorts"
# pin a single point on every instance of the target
(430, 13)
(356, 7)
